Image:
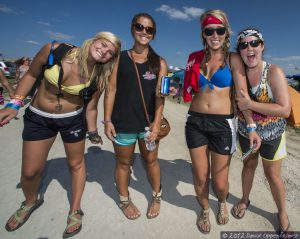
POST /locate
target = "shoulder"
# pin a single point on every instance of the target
(235, 60)
(275, 71)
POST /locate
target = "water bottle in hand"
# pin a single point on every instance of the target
(150, 145)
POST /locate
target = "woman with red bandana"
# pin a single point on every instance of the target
(271, 104)
(210, 127)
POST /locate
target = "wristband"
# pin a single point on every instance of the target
(251, 129)
(251, 125)
(105, 121)
(12, 106)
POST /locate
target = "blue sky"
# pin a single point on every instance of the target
(27, 25)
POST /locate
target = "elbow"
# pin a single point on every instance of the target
(287, 113)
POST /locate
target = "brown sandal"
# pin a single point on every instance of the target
(125, 205)
(203, 221)
(239, 212)
(156, 199)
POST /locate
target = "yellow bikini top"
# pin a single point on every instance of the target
(52, 75)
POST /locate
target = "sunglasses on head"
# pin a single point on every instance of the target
(139, 28)
(210, 31)
(253, 43)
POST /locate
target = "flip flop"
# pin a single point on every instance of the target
(73, 220)
(238, 212)
(24, 208)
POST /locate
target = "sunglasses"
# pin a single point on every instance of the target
(139, 28)
(253, 43)
(210, 31)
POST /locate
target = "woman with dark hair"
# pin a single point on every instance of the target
(210, 127)
(124, 116)
(271, 104)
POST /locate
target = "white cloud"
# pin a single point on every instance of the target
(43, 23)
(33, 42)
(5, 9)
(186, 13)
(287, 58)
(59, 36)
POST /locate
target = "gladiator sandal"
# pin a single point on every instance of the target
(155, 205)
(128, 208)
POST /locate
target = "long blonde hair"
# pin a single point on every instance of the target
(101, 71)
(219, 14)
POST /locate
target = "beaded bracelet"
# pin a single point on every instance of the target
(105, 121)
(16, 102)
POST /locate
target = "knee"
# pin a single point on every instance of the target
(220, 186)
(30, 174)
(201, 180)
(123, 164)
(150, 163)
(272, 176)
(77, 165)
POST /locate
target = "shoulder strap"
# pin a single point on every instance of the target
(141, 90)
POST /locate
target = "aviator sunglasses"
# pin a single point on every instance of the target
(253, 43)
(210, 31)
(139, 28)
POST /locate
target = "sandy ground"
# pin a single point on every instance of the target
(103, 218)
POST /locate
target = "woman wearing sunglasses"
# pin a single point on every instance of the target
(210, 128)
(124, 114)
(58, 107)
(270, 102)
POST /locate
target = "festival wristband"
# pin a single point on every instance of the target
(12, 106)
(251, 129)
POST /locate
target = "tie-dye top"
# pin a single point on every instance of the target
(268, 127)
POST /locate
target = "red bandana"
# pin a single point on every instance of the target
(211, 20)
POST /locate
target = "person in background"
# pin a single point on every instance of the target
(124, 116)
(22, 66)
(58, 107)
(270, 103)
(4, 82)
(210, 127)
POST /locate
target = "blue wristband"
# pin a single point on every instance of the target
(12, 106)
(251, 129)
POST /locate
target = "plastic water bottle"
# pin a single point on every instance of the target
(150, 145)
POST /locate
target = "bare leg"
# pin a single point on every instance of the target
(122, 176)
(248, 172)
(34, 157)
(75, 157)
(153, 170)
(201, 172)
(219, 172)
(273, 174)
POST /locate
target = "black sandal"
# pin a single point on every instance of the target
(238, 212)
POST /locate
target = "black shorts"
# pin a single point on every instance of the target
(271, 150)
(216, 131)
(39, 125)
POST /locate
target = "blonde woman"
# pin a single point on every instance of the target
(58, 107)
(210, 128)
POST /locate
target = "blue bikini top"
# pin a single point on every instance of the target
(221, 78)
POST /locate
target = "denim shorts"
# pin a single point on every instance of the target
(39, 125)
(128, 139)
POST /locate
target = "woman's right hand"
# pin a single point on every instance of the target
(6, 115)
(110, 131)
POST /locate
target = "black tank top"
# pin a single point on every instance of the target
(128, 114)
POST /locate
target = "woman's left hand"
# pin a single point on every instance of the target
(244, 101)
